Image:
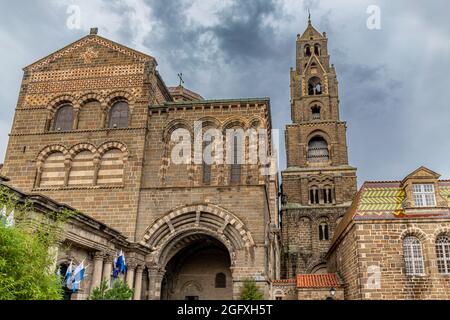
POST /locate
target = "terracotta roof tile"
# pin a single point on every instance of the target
(284, 281)
(318, 281)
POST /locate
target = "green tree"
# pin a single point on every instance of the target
(119, 291)
(250, 291)
(26, 259)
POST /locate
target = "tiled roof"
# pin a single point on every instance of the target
(318, 281)
(384, 199)
(285, 282)
(380, 198)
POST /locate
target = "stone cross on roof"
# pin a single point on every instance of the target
(180, 75)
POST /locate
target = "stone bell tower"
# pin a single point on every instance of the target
(318, 184)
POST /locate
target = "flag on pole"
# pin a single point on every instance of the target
(78, 276)
(115, 269)
(119, 265)
(68, 276)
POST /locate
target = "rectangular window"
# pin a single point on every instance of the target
(424, 195)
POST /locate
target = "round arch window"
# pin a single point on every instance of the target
(119, 115)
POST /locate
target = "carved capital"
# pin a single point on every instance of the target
(132, 264)
(98, 255)
(139, 269)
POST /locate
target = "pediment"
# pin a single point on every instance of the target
(421, 173)
(89, 50)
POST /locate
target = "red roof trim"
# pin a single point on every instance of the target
(318, 281)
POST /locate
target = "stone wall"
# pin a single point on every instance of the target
(378, 244)
(303, 251)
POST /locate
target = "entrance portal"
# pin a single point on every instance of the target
(199, 271)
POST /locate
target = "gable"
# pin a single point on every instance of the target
(311, 33)
(314, 67)
(421, 173)
(91, 50)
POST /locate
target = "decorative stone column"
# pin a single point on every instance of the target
(98, 270)
(76, 116)
(138, 283)
(107, 269)
(97, 163)
(48, 120)
(131, 266)
(104, 116)
(155, 276)
(67, 168)
(37, 182)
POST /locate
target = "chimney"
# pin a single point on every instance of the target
(94, 31)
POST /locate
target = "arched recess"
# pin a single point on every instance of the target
(92, 107)
(59, 100)
(112, 99)
(54, 105)
(51, 166)
(112, 157)
(319, 148)
(236, 153)
(207, 131)
(177, 138)
(91, 97)
(172, 126)
(173, 232)
(320, 268)
(82, 167)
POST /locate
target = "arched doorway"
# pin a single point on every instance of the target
(187, 239)
(200, 270)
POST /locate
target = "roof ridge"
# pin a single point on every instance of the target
(90, 37)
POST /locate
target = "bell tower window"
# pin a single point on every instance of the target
(315, 110)
(317, 50)
(315, 86)
(318, 150)
(323, 232)
(328, 195)
(314, 195)
(307, 51)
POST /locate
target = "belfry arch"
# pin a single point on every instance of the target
(183, 238)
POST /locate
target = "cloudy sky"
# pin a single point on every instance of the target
(394, 82)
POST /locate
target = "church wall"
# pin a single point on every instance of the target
(302, 249)
(115, 204)
(319, 294)
(159, 169)
(343, 260)
(89, 75)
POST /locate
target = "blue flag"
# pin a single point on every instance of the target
(119, 265)
(78, 276)
(68, 276)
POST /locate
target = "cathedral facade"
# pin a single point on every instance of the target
(97, 130)
(94, 129)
